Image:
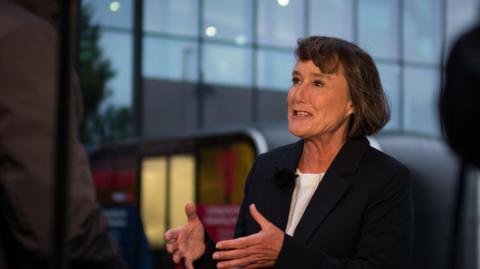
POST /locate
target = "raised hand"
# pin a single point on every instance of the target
(187, 242)
(255, 251)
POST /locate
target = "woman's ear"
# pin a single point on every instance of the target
(350, 108)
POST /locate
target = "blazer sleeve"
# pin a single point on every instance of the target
(385, 239)
(27, 129)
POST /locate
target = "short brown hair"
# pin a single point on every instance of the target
(371, 110)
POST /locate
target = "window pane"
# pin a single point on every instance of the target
(423, 32)
(421, 94)
(111, 13)
(182, 187)
(389, 75)
(228, 19)
(179, 17)
(275, 69)
(153, 203)
(279, 25)
(169, 59)
(378, 27)
(117, 47)
(325, 13)
(229, 65)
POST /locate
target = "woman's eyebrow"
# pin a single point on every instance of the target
(320, 75)
(313, 74)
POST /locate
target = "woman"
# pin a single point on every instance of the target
(328, 201)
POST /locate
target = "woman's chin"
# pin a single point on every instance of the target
(296, 132)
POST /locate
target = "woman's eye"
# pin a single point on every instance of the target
(295, 81)
(318, 83)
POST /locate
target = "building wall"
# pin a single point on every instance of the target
(171, 108)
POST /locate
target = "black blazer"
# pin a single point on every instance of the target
(360, 216)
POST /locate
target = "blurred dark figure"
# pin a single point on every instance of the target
(28, 80)
(460, 98)
(460, 114)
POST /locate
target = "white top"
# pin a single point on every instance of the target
(305, 186)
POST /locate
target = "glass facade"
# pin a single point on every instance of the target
(229, 20)
(171, 17)
(249, 45)
(274, 69)
(378, 34)
(331, 18)
(279, 25)
(224, 64)
(422, 31)
(169, 59)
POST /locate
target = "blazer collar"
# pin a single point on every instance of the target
(329, 192)
(350, 155)
(345, 162)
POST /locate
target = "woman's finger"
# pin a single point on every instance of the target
(231, 254)
(188, 263)
(172, 246)
(258, 217)
(245, 261)
(241, 242)
(178, 255)
(191, 211)
(171, 234)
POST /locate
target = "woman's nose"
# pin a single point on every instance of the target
(298, 93)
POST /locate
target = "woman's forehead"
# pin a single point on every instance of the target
(319, 69)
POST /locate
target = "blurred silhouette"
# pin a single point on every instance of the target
(460, 98)
(28, 70)
(459, 113)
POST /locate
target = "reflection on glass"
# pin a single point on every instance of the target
(178, 17)
(169, 59)
(228, 65)
(421, 94)
(279, 25)
(153, 202)
(389, 75)
(275, 69)
(331, 18)
(108, 13)
(182, 187)
(117, 47)
(422, 31)
(378, 27)
(231, 19)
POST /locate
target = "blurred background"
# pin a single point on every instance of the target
(181, 96)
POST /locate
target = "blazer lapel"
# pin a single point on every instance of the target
(331, 189)
(279, 189)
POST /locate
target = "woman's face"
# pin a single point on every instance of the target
(319, 104)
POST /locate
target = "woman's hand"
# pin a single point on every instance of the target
(187, 242)
(255, 251)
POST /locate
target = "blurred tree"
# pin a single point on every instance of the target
(99, 124)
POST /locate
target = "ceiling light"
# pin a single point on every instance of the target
(211, 31)
(114, 6)
(283, 3)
